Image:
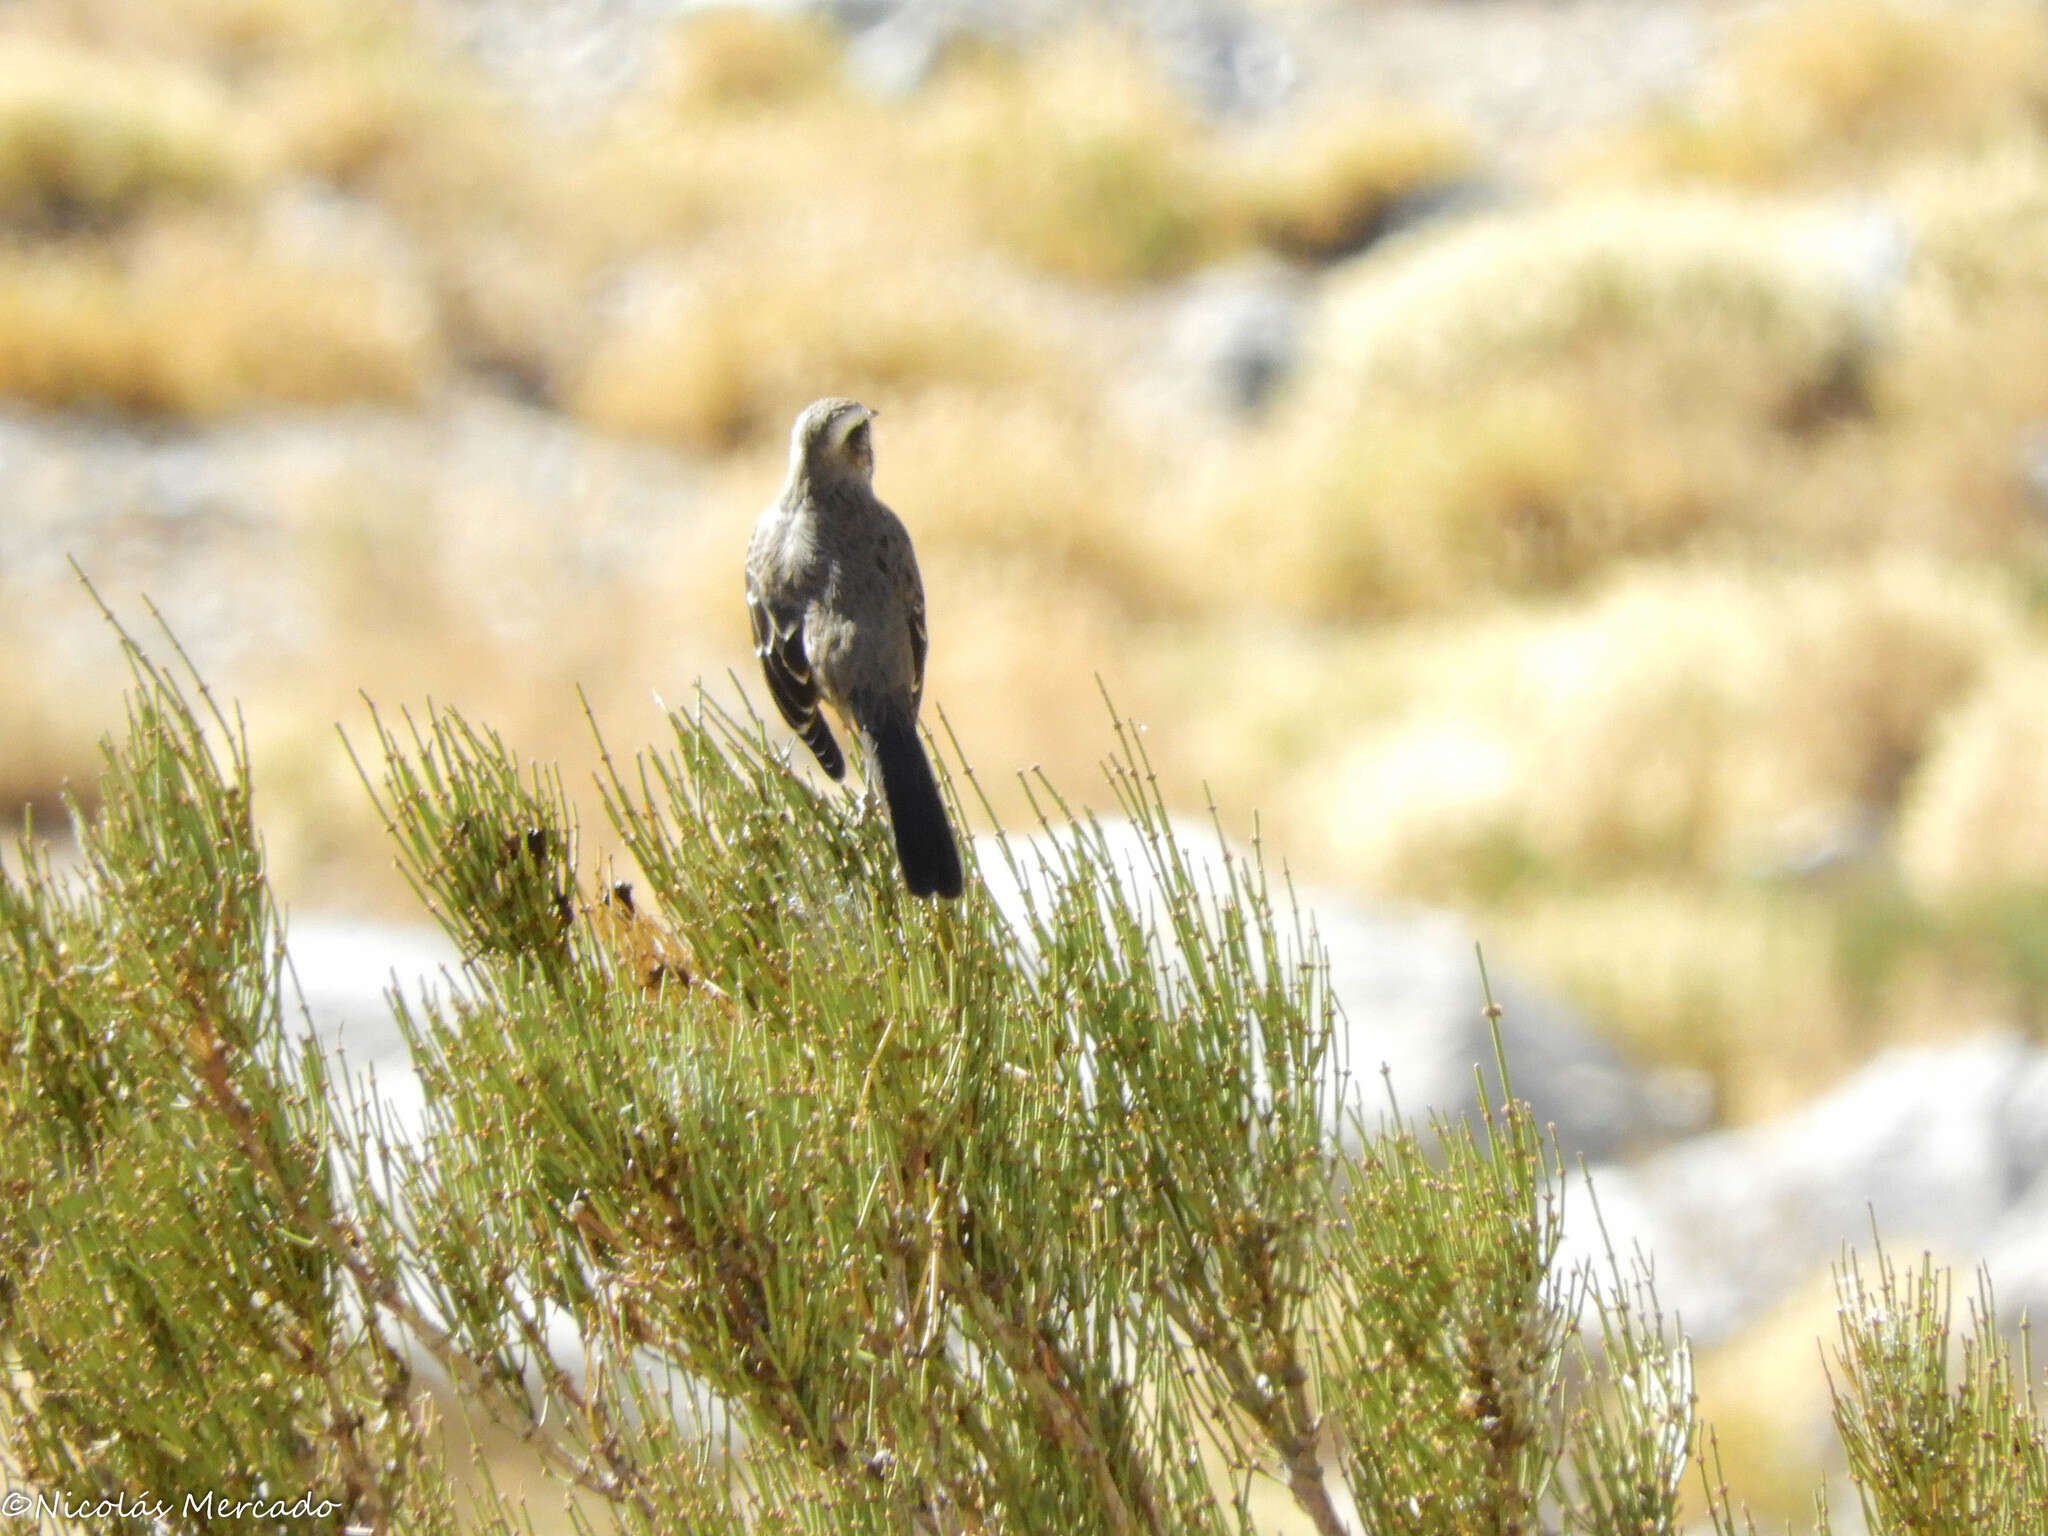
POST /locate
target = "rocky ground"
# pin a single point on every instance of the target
(1526, 75)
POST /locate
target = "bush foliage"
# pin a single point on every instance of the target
(770, 1198)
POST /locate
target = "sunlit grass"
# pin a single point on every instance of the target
(1083, 162)
(84, 137)
(227, 35)
(1519, 401)
(1684, 720)
(1077, 497)
(1976, 815)
(742, 60)
(1768, 1404)
(51, 748)
(1828, 88)
(201, 316)
(715, 352)
(1712, 979)
(1333, 185)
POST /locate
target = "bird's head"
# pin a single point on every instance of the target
(832, 440)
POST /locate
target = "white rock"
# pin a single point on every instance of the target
(346, 969)
(1932, 1148)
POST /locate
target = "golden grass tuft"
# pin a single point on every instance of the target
(741, 59)
(48, 748)
(1712, 978)
(1829, 88)
(721, 353)
(1767, 1399)
(1082, 161)
(509, 227)
(1330, 186)
(1975, 822)
(1963, 392)
(231, 36)
(1737, 293)
(1693, 721)
(503, 224)
(1528, 487)
(1073, 499)
(83, 137)
(1517, 401)
(346, 116)
(1982, 228)
(1014, 666)
(200, 316)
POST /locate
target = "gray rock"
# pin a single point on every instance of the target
(1942, 1148)
(897, 54)
(2016, 1256)
(1224, 58)
(346, 970)
(570, 58)
(1408, 980)
(2034, 469)
(1237, 333)
(228, 527)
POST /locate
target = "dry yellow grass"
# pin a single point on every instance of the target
(235, 35)
(1739, 984)
(1670, 798)
(684, 266)
(86, 137)
(1682, 720)
(52, 747)
(491, 597)
(1962, 390)
(1833, 88)
(1982, 224)
(219, 290)
(104, 103)
(1767, 1399)
(1975, 821)
(746, 60)
(1517, 401)
(201, 315)
(717, 352)
(1076, 497)
(1543, 287)
(1083, 163)
(1329, 185)
(348, 115)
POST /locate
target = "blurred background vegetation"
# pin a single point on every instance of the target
(1580, 463)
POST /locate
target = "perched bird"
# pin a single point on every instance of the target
(837, 610)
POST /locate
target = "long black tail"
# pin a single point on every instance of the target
(924, 840)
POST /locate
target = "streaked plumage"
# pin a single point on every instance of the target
(837, 610)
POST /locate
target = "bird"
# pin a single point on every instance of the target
(836, 606)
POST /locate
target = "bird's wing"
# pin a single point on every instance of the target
(918, 643)
(780, 645)
(779, 642)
